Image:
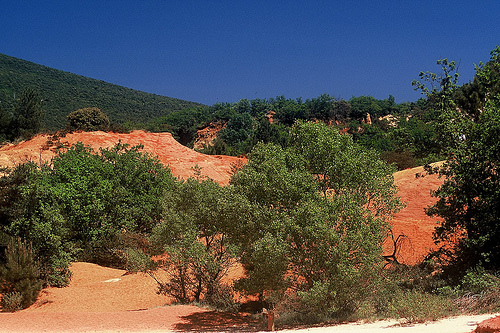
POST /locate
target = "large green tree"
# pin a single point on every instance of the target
(318, 237)
(468, 201)
(196, 238)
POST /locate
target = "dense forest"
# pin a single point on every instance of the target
(62, 92)
(305, 217)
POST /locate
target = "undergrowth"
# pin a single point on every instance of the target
(410, 295)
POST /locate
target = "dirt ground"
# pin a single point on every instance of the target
(102, 299)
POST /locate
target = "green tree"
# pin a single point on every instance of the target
(362, 105)
(321, 107)
(321, 233)
(238, 132)
(468, 199)
(196, 235)
(288, 110)
(28, 113)
(20, 274)
(341, 166)
(83, 204)
(87, 119)
(5, 125)
(182, 124)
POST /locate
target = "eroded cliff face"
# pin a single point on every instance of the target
(179, 158)
(207, 135)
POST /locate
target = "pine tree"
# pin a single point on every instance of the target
(20, 274)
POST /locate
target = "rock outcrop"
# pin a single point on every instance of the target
(207, 135)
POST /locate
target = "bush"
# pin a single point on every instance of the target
(222, 298)
(480, 292)
(21, 274)
(11, 302)
(414, 306)
(87, 119)
(402, 159)
(477, 280)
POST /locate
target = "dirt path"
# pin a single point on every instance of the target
(192, 319)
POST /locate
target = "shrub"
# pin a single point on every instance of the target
(414, 306)
(21, 274)
(477, 280)
(11, 302)
(480, 292)
(87, 119)
(222, 298)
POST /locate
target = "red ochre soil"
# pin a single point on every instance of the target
(489, 326)
(102, 299)
(179, 158)
(414, 189)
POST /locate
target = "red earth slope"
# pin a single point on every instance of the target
(179, 158)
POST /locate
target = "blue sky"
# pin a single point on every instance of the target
(224, 51)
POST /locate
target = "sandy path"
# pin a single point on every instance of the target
(459, 324)
(180, 318)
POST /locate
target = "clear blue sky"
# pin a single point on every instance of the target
(223, 51)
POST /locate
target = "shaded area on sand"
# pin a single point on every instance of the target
(215, 321)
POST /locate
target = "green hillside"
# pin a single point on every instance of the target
(64, 92)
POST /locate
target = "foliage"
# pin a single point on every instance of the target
(11, 301)
(238, 131)
(65, 92)
(195, 234)
(87, 119)
(479, 291)
(342, 167)
(439, 89)
(321, 232)
(20, 278)
(468, 199)
(25, 118)
(414, 306)
(472, 97)
(249, 122)
(80, 206)
(223, 299)
(183, 124)
(28, 113)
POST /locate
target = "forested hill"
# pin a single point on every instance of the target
(64, 92)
